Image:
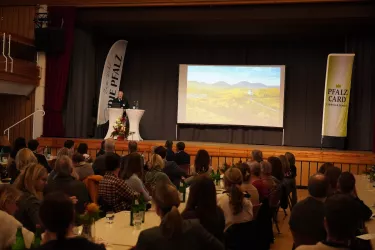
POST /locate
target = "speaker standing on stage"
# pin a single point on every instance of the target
(119, 101)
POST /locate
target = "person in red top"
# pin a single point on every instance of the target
(257, 181)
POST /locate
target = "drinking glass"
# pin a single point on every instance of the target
(138, 220)
(110, 216)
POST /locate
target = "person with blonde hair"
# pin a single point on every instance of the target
(31, 182)
(246, 186)
(23, 158)
(9, 196)
(174, 232)
(236, 208)
(155, 174)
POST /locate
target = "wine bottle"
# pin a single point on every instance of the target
(19, 244)
(134, 209)
(37, 238)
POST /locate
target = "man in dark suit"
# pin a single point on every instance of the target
(99, 163)
(33, 146)
(181, 157)
(170, 153)
(120, 101)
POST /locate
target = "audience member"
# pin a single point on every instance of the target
(23, 158)
(268, 183)
(202, 205)
(31, 182)
(202, 164)
(277, 168)
(170, 154)
(8, 227)
(62, 152)
(174, 172)
(307, 217)
(82, 168)
(18, 144)
(133, 175)
(57, 215)
(156, 175)
(69, 144)
(346, 185)
(132, 148)
(33, 146)
(246, 186)
(83, 150)
(257, 155)
(99, 163)
(333, 174)
(291, 178)
(64, 182)
(288, 183)
(256, 179)
(174, 232)
(324, 166)
(113, 190)
(236, 207)
(101, 151)
(340, 222)
(181, 157)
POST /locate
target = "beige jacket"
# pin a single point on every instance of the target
(319, 246)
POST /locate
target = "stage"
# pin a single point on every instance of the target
(308, 160)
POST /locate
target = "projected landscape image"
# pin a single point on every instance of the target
(233, 95)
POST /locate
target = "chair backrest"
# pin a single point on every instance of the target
(256, 210)
(186, 168)
(241, 236)
(92, 185)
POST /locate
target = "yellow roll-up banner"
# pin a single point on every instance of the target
(337, 94)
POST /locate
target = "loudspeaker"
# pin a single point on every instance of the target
(50, 40)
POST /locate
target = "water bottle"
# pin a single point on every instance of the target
(37, 238)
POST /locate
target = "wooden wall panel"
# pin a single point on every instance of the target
(14, 108)
(18, 21)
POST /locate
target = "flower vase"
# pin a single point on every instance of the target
(87, 231)
(120, 138)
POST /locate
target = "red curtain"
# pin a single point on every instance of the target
(57, 72)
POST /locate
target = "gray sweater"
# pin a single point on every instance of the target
(137, 185)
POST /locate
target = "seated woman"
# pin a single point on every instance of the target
(174, 232)
(202, 164)
(155, 175)
(9, 225)
(202, 205)
(246, 186)
(133, 175)
(23, 158)
(81, 167)
(236, 207)
(31, 182)
(291, 176)
(57, 215)
(18, 144)
(83, 150)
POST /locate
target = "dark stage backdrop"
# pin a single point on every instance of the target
(150, 75)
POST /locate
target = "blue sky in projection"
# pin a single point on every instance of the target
(269, 76)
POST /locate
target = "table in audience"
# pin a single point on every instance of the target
(366, 192)
(120, 235)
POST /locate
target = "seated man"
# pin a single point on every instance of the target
(132, 148)
(174, 172)
(170, 153)
(64, 182)
(340, 222)
(33, 146)
(114, 191)
(99, 163)
(181, 157)
(307, 218)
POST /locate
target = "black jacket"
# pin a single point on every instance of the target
(170, 155)
(174, 172)
(71, 187)
(43, 161)
(182, 158)
(123, 103)
(194, 236)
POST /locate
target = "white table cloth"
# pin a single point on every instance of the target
(134, 116)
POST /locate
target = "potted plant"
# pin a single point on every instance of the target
(88, 218)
